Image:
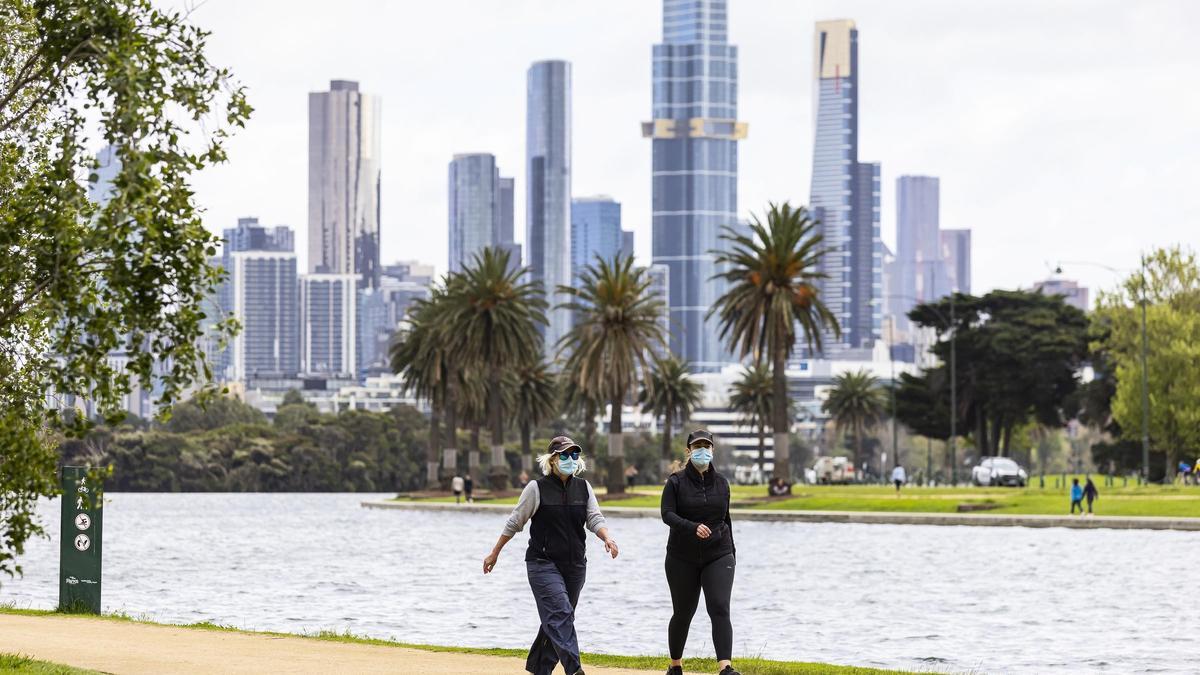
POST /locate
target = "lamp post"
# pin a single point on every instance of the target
(1145, 351)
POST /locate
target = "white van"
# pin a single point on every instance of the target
(834, 470)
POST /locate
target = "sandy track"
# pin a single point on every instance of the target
(136, 648)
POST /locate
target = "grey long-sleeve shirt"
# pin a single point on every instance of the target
(531, 499)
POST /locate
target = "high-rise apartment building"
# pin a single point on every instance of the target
(921, 274)
(595, 231)
(694, 131)
(344, 182)
(660, 288)
(1073, 294)
(475, 207)
(328, 325)
(262, 294)
(627, 243)
(845, 193)
(548, 187)
(956, 252)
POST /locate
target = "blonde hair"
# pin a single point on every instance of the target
(545, 463)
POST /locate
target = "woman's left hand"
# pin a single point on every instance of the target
(610, 545)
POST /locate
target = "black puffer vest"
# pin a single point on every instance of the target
(557, 531)
(698, 498)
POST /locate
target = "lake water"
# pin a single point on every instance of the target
(943, 599)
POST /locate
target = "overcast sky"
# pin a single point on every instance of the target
(1061, 130)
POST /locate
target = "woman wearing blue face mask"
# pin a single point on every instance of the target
(700, 551)
(562, 509)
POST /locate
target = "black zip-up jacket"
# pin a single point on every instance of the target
(557, 531)
(689, 499)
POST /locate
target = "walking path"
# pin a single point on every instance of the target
(870, 517)
(132, 648)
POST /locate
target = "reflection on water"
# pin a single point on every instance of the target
(995, 600)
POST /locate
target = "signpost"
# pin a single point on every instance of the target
(81, 527)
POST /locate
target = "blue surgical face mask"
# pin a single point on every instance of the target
(568, 466)
(701, 457)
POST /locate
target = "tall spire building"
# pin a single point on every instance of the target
(694, 132)
(343, 182)
(845, 193)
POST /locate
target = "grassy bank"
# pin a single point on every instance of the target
(1116, 500)
(649, 663)
(18, 663)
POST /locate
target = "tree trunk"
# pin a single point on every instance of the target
(498, 475)
(450, 448)
(994, 444)
(1007, 451)
(616, 451)
(859, 453)
(432, 455)
(667, 460)
(779, 411)
(762, 449)
(526, 446)
(589, 426)
(473, 453)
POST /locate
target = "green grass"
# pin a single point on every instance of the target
(19, 663)
(748, 666)
(1130, 500)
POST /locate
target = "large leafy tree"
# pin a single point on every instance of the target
(617, 324)
(419, 354)
(1171, 289)
(79, 279)
(752, 396)
(492, 317)
(672, 394)
(856, 403)
(1018, 354)
(772, 275)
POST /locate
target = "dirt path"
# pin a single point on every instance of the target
(136, 648)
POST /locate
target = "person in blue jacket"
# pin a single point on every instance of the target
(1076, 496)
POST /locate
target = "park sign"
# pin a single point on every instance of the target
(79, 560)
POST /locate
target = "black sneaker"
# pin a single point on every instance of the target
(675, 670)
(729, 671)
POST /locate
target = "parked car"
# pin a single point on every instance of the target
(999, 471)
(833, 470)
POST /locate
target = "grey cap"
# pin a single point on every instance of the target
(699, 435)
(562, 444)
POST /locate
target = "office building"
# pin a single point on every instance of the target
(328, 325)
(694, 131)
(548, 187)
(921, 274)
(380, 313)
(262, 292)
(956, 252)
(1073, 294)
(660, 288)
(845, 194)
(627, 243)
(344, 182)
(595, 231)
(475, 200)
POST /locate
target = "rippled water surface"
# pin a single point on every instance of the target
(945, 599)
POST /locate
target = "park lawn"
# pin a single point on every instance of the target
(19, 663)
(748, 666)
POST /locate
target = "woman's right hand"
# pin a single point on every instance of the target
(490, 561)
(703, 532)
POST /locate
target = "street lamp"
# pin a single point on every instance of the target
(1145, 349)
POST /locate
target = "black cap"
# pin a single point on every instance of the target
(562, 444)
(699, 435)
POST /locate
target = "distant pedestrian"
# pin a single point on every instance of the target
(1090, 493)
(561, 508)
(468, 487)
(1185, 470)
(780, 488)
(631, 473)
(1076, 496)
(456, 484)
(899, 478)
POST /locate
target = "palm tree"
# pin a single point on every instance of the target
(752, 397)
(672, 394)
(771, 275)
(536, 395)
(617, 323)
(493, 318)
(856, 403)
(420, 357)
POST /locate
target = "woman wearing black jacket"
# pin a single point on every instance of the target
(700, 551)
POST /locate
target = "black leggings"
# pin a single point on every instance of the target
(686, 581)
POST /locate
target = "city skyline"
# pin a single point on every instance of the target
(990, 128)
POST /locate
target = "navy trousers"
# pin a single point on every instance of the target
(556, 589)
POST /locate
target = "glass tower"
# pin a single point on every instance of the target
(263, 295)
(475, 207)
(694, 167)
(845, 194)
(548, 187)
(921, 271)
(343, 182)
(595, 231)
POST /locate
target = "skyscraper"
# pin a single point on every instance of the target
(1073, 294)
(595, 231)
(845, 193)
(921, 274)
(475, 207)
(548, 186)
(328, 324)
(343, 182)
(694, 166)
(506, 232)
(262, 292)
(956, 252)
(627, 243)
